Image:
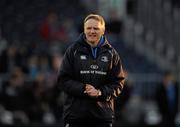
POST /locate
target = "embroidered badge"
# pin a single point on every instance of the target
(83, 57)
(104, 59)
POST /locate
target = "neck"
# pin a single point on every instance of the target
(92, 44)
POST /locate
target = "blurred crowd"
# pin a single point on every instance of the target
(28, 89)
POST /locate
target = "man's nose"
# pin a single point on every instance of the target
(92, 30)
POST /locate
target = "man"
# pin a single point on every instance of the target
(166, 97)
(91, 75)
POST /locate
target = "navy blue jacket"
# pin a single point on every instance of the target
(100, 67)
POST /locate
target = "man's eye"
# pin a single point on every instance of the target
(96, 28)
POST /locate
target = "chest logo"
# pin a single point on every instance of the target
(94, 67)
(104, 59)
(83, 57)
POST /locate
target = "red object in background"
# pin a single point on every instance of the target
(51, 29)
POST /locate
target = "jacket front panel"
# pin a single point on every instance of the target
(92, 70)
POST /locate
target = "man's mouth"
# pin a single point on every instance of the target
(92, 35)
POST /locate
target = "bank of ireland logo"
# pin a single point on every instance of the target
(94, 67)
(104, 58)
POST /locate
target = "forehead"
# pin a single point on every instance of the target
(92, 22)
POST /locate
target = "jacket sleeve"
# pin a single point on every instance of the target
(66, 76)
(116, 80)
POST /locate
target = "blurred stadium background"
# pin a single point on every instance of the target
(35, 33)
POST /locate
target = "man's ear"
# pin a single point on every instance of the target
(103, 30)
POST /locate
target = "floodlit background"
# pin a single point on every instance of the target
(34, 35)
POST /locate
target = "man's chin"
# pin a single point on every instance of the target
(92, 41)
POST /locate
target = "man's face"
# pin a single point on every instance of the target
(93, 30)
